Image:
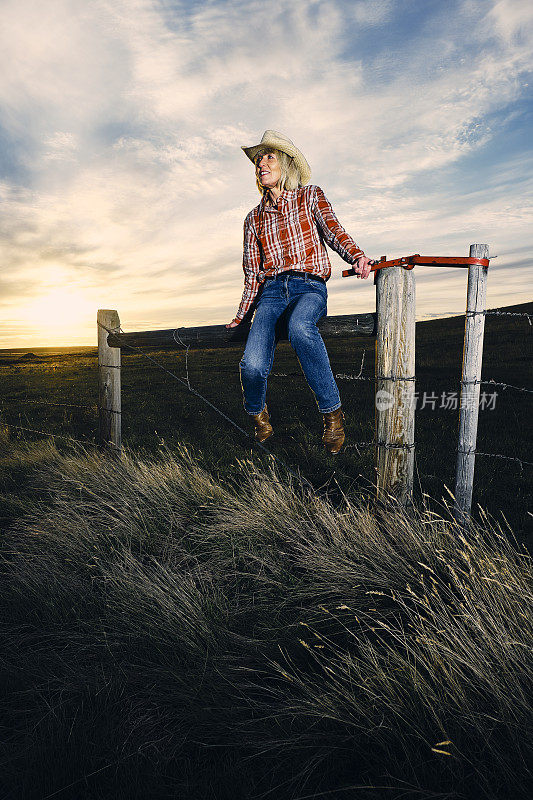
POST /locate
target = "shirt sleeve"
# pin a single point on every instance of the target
(331, 229)
(251, 263)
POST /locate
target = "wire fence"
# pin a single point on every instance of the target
(359, 445)
(46, 433)
(90, 406)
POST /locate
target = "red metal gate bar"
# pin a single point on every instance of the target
(408, 262)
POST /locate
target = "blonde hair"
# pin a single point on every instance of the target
(290, 174)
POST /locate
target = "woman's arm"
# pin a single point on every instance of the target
(331, 229)
(335, 235)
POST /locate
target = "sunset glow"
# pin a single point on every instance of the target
(57, 313)
(123, 183)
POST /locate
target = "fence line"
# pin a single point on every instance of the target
(336, 326)
(395, 354)
(338, 376)
(351, 445)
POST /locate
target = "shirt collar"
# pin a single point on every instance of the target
(283, 197)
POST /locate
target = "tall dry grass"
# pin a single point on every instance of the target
(167, 633)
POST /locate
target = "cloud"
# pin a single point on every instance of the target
(129, 118)
(368, 14)
(60, 146)
(511, 20)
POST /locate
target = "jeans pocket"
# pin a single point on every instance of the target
(319, 287)
(267, 288)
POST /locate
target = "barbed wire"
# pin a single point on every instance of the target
(49, 403)
(496, 455)
(344, 376)
(507, 386)
(501, 314)
(4, 424)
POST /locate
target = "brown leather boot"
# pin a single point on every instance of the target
(263, 428)
(333, 437)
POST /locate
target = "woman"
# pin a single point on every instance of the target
(285, 256)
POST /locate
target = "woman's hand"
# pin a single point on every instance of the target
(233, 323)
(362, 266)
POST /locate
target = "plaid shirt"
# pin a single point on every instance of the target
(291, 235)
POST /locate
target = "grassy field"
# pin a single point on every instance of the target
(190, 622)
(157, 408)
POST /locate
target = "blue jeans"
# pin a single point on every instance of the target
(306, 301)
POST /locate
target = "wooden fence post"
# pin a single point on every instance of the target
(109, 405)
(394, 398)
(470, 380)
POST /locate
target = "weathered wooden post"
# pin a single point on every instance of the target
(470, 383)
(109, 405)
(395, 371)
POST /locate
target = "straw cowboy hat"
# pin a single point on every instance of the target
(280, 142)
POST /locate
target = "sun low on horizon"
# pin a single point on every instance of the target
(58, 314)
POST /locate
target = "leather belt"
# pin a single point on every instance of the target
(294, 273)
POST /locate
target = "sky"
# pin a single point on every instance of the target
(122, 180)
